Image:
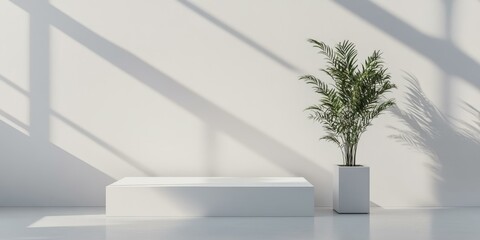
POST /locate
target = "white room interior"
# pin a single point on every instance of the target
(95, 91)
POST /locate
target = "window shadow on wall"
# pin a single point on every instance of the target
(32, 170)
(217, 22)
(453, 145)
(441, 52)
(38, 173)
(211, 114)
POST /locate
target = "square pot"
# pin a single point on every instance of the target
(351, 189)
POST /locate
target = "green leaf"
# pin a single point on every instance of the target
(355, 97)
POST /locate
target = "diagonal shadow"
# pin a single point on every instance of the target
(14, 120)
(207, 111)
(13, 85)
(238, 35)
(118, 153)
(34, 173)
(442, 53)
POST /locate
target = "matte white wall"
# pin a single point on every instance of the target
(93, 91)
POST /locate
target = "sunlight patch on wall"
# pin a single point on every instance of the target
(464, 35)
(14, 57)
(237, 159)
(14, 107)
(76, 141)
(14, 102)
(119, 112)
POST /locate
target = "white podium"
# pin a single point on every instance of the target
(210, 196)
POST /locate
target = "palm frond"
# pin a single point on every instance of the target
(347, 106)
(331, 138)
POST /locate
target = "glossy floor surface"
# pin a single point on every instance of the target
(391, 224)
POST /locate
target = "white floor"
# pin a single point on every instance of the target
(384, 224)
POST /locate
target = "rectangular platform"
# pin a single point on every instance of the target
(210, 196)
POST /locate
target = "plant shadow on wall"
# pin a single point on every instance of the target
(43, 15)
(452, 145)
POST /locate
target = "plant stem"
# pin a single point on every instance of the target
(355, 154)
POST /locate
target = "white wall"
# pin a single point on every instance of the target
(93, 91)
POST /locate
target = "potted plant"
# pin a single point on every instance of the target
(346, 108)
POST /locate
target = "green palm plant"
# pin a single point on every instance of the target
(356, 97)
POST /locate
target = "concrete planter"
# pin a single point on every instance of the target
(351, 189)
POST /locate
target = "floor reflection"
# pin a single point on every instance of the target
(91, 223)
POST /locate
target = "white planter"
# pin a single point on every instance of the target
(351, 189)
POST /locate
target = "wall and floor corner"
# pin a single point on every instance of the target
(93, 91)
